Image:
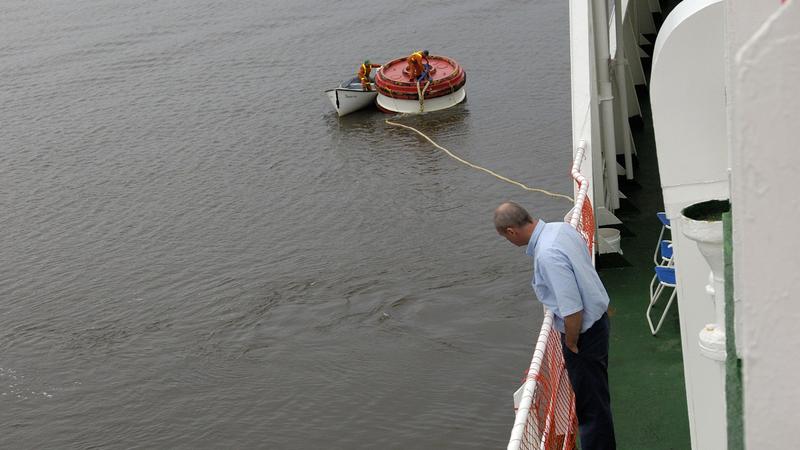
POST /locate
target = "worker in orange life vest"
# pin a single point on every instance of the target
(363, 73)
(416, 68)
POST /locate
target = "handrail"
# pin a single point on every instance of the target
(521, 419)
(583, 184)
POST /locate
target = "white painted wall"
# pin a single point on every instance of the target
(742, 20)
(687, 93)
(766, 211)
(687, 87)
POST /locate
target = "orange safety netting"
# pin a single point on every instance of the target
(551, 424)
(586, 225)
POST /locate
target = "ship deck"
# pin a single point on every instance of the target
(645, 372)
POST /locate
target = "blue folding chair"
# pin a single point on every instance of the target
(666, 251)
(666, 279)
(665, 225)
(666, 260)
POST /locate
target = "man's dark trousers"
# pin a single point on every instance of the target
(588, 374)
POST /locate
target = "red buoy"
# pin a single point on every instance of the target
(446, 77)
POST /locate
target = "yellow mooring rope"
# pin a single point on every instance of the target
(421, 95)
(475, 166)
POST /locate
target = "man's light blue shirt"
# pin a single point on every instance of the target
(564, 277)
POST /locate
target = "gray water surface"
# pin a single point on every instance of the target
(197, 253)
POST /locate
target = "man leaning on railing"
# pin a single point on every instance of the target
(566, 282)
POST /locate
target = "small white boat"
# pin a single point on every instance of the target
(350, 96)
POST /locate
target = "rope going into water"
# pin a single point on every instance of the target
(421, 95)
(483, 169)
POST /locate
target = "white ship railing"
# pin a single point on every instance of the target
(520, 431)
(525, 434)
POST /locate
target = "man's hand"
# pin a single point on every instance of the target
(572, 330)
(573, 348)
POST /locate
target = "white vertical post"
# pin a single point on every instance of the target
(605, 96)
(620, 73)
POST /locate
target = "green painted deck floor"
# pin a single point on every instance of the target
(645, 372)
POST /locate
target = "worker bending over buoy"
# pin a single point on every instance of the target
(363, 73)
(417, 69)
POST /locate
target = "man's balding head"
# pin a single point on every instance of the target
(510, 214)
(514, 223)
